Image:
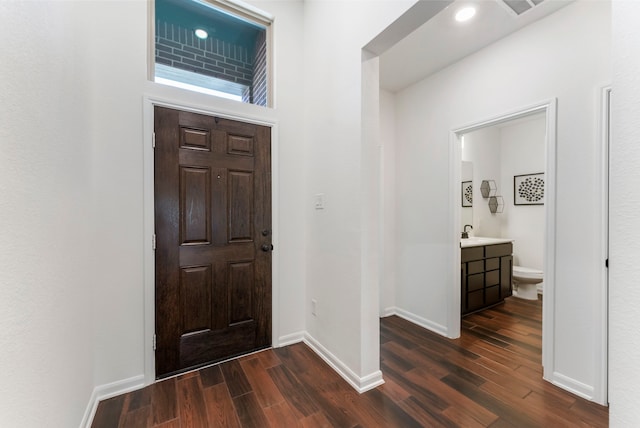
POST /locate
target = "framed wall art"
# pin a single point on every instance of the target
(467, 193)
(528, 189)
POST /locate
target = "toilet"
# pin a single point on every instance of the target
(525, 281)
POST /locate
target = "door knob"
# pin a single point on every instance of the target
(267, 247)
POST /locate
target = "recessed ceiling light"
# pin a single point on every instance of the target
(465, 14)
(201, 34)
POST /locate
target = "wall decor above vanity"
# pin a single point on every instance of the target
(496, 204)
(488, 188)
(467, 193)
(528, 189)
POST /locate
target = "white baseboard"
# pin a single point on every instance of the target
(360, 384)
(418, 320)
(102, 392)
(289, 339)
(578, 388)
(387, 312)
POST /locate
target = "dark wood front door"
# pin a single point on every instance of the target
(213, 239)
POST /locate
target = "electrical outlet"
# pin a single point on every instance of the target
(314, 307)
(319, 201)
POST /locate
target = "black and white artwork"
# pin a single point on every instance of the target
(528, 189)
(467, 193)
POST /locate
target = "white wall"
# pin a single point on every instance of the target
(292, 210)
(624, 345)
(388, 220)
(483, 148)
(566, 56)
(117, 187)
(523, 152)
(46, 249)
(339, 275)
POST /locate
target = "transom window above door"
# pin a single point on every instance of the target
(213, 47)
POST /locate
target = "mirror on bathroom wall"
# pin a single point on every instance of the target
(466, 194)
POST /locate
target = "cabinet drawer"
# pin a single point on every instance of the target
(492, 278)
(475, 267)
(506, 276)
(493, 295)
(499, 250)
(475, 282)
(493, 264)
(472, 253)
(475, 300)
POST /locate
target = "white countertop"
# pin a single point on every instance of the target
(477, 241)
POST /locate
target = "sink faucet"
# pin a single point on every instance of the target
(465, 232)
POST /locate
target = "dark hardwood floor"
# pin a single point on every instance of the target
(490, 377)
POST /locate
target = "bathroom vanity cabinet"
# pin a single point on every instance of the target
(486, 275)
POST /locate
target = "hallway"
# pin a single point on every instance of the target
(489, 377)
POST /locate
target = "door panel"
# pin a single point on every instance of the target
(240, 145)
(195, 205)
(195, 285)
(196, 139)
(240, 206)
(241, 282)
(213, 225)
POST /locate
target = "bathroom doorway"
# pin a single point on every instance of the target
(493, 223)
(503, 176)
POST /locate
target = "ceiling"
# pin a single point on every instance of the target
(442, 41)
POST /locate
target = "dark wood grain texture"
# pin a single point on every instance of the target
(485, 276)
(490, 377)
(212, 199)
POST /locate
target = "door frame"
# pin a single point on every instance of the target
(600, 388)
(549, 108)
(601, 395)
(149, 309)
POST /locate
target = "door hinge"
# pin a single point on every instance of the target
(153, 241)
(153, 140)
(154, 342)
(606, 263)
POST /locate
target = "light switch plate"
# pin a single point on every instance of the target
(319, 201)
